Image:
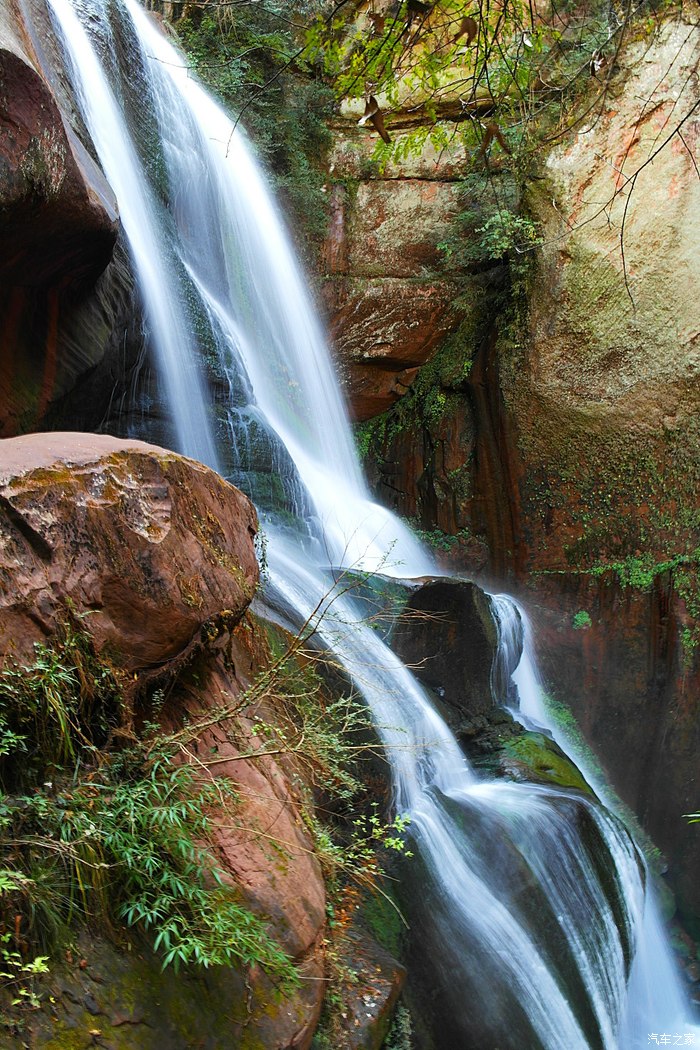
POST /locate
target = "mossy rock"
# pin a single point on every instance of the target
(535, 757)
(116, 994)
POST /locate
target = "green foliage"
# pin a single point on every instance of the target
(511, 81)
(353, 856)
(637, 571)
(380, 914)
(329, 737)
(581, 620)
(439, 540)
(505, 233)
(292, 713)
(489, 249)
(112, 834)
(641, 571)
(18, 981)
(114, 827)
(433, 394)
(63, 701)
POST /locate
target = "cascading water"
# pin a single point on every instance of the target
(536, 896)
(653, 989)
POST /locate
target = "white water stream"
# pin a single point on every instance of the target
(209, 250)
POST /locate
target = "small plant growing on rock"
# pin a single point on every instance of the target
(581, 621)
(400, 1035)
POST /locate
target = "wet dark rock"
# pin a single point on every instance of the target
(57, 214)
(370, 992)
(447, 635)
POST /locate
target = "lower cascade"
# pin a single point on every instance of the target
(531, 903)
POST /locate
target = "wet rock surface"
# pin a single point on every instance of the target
(374, 980)
(57, 214)
(447, 635)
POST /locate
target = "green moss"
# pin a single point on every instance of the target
(546, 760)
(155, 1008)
(581, 620)
(381, 915)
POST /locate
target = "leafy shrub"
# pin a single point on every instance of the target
(401, 1031)
(93, 831)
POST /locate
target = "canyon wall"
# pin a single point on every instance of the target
(552, 438)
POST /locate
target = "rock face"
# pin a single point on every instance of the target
(58, 216)
(387, 306)
(447, 635)
(605, 398)
(151, 544)
(156, 553)
(66, 296)
(603, 403)
(372, 984)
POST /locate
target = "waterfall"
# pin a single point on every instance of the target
(653, 987)
(536, 896)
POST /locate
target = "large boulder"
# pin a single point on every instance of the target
(447, 635)
(148, 543)
(153, 555)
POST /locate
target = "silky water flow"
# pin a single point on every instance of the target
(531, 902)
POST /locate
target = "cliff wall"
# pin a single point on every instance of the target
(552, 440)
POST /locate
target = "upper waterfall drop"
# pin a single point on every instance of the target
(232, 243)
(545, 975)
(142, 216)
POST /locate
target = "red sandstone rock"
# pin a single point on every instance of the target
(383, 330)
(387, 310)
(158, 551)
(262, 844)
(149, 543)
